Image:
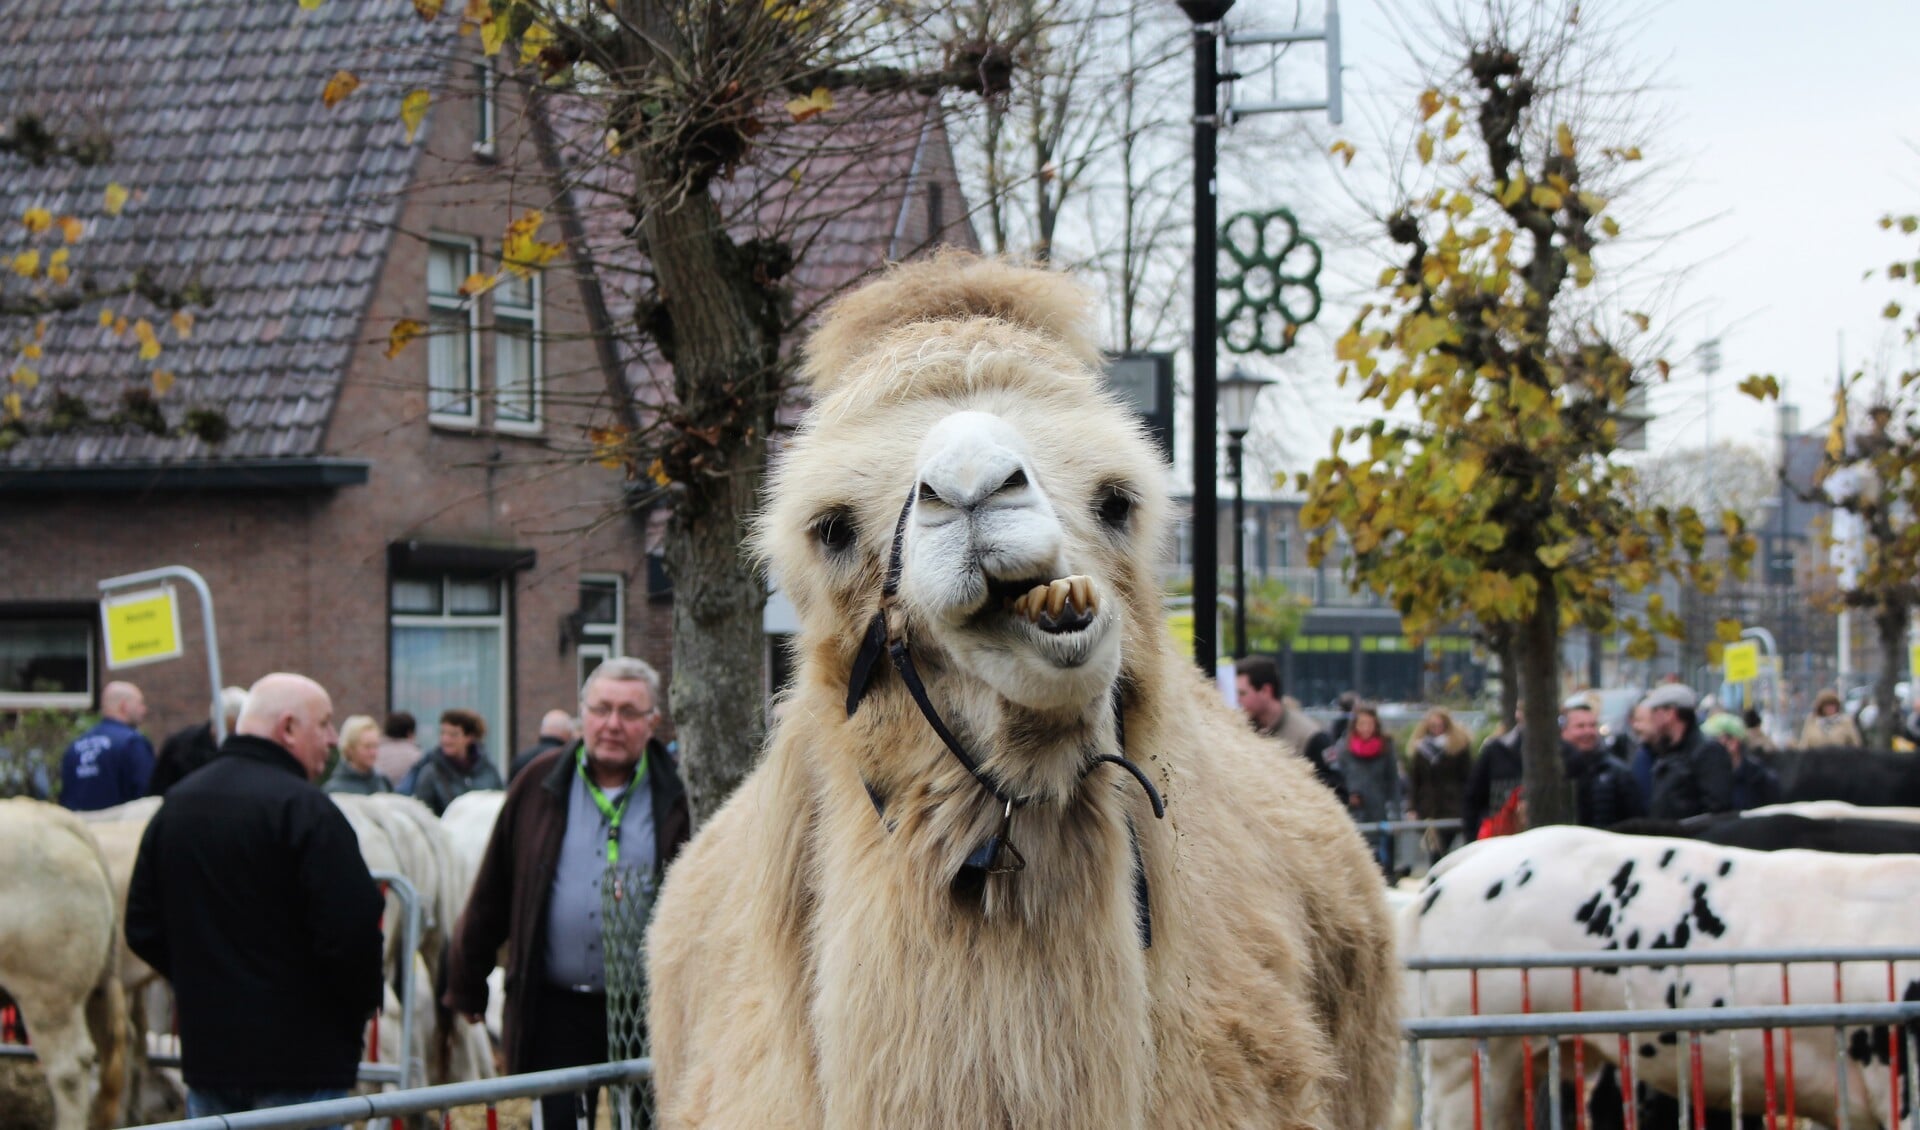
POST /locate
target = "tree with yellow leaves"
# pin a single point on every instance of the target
(1870, 475)
(1487, 489)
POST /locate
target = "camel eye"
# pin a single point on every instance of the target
(835, 530)
(1114, 505)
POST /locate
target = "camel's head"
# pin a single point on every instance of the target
(959, 409)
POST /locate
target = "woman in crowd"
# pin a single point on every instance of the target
(1437, 775)
(359, 742)
(459, 766)
(1364, 756)
(1828, 724)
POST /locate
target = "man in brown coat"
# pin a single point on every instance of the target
(566, 826)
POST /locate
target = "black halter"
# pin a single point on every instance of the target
(886, 634)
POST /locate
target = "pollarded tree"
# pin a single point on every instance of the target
(1487, 488)
(689, 107)
(1871, 477)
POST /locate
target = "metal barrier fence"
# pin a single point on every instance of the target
(1780, 1087)
(428, 1100)
(403, 1074)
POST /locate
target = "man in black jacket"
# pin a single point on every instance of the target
(249, 894)
(1604, 791)
(1692, 776)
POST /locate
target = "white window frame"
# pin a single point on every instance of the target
(529, 317)
(471, 417)
(447, 619)
(487, 126)
(56, 700)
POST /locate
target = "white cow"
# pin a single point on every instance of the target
(1571, 889)
(469, 823)
(1835, 810)
(58, 925)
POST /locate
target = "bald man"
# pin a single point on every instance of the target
(556, 732)
(250, 895)
(111, 763)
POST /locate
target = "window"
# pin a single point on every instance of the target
(448, 650)
(453, 353)
(516, 353)
(602, 621)
(486, 101)
(46, 662)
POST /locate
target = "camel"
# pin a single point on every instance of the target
(969, 913)
(57, 958)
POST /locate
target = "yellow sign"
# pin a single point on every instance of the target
(1913, 661)
(1741, 661)
(141, 627)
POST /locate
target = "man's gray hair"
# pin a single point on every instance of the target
(624, 669)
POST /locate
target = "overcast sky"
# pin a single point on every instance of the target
(1789, 129)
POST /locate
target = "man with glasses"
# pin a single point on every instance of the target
(596, 820)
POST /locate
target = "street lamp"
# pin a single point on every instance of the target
(1205, 16)
(1239, 395)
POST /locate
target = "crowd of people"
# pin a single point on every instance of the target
(251, 897)
(113, 762)
(1676, 759)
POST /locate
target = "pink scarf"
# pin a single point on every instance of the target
(1365, 747)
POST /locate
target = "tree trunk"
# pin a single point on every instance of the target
(724, 348)
(1537, 644)
(1890, 620)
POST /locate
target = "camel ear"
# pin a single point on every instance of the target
(950, 286)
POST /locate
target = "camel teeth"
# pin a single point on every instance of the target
(1082, 593)
(1057, 596)
(1036, 599)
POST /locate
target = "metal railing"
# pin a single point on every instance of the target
(425, 1100)
(402, 1074)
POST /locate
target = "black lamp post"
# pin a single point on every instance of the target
(1239, 394)
(1206, 16)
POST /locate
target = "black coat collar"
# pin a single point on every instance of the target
(264, 750)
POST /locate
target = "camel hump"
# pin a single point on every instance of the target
(951, 286)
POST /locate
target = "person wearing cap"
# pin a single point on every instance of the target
(1754, 783)
(1692, 776)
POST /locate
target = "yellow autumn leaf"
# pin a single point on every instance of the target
(106, 319)
(812, 106)
(1545, 197)
(1554, 556)
(657, 471)
(1563, 140)
(31, 351)
(413, 111)
(493, 34)
(613, 142)
(312, 5)
(1465, 473)
(533, 41)
(1425, 145)
(149, 343)
(403, 331)
(1343, 150)
(523, 252)
(24, 377)
(57, 269)
(71, 228)
(26, 264)
(115, 199)
(120, 325)
(37, 220)
(1430, 103)
(12, 402)
(429, 9)
(182, 322)
(338, 87)
(162, 381)
(478, 284)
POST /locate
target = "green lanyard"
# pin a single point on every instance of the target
(610, 810)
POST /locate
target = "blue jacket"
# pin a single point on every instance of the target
(105, 766)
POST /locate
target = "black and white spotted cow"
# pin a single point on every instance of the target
(1570, 889)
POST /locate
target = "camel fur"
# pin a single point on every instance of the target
(57, 958)
(814, 964)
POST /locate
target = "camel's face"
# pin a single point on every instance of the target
(1028, 547)
(993, 573)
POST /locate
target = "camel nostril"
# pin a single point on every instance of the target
(1014, 481)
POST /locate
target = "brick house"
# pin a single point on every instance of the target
(417, 532)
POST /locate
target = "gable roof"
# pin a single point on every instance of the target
(241, 177)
